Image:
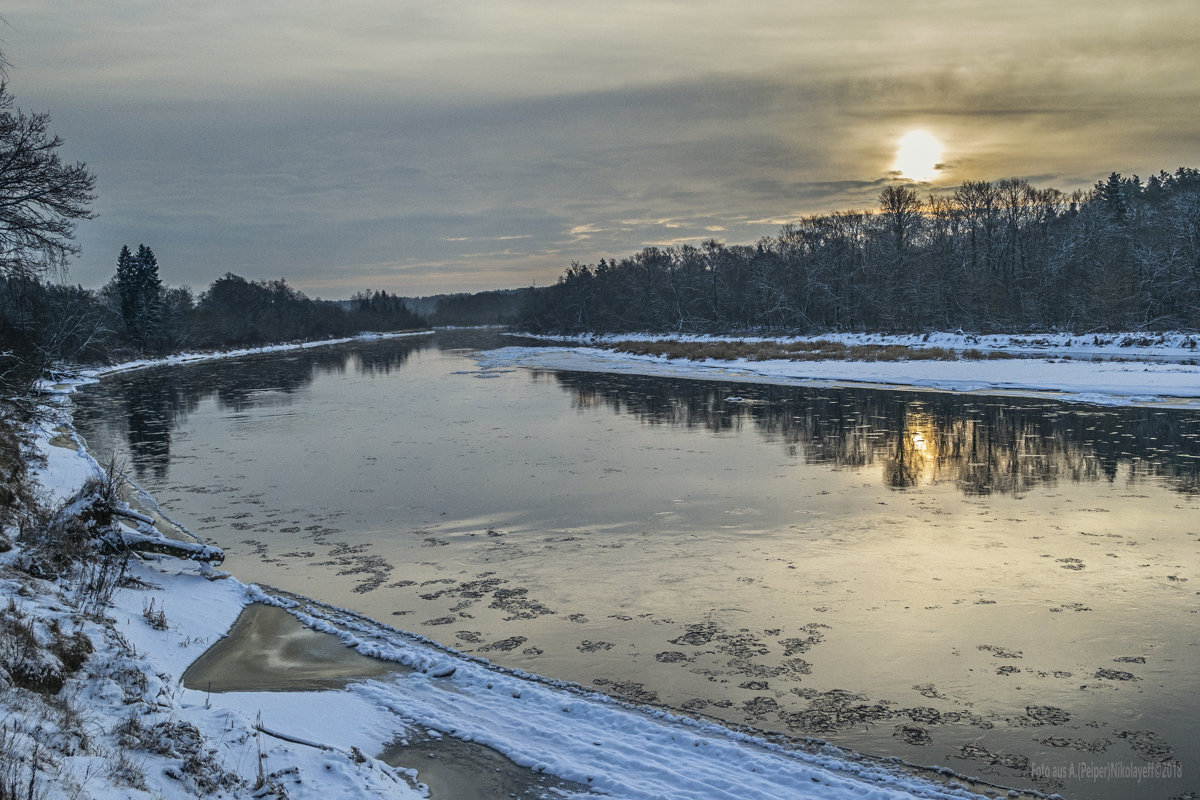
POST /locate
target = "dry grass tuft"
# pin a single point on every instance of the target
(155, 617)
(808, 350)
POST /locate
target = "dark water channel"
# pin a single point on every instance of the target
(1008, 588)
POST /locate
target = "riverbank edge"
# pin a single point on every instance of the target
(198, 356)
(135, 649)
(1118, 369)
(1117, 344)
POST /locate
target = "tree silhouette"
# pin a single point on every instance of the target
(41, 198)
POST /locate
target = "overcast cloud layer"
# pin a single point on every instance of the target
(424, 147)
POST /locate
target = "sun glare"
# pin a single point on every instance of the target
(918, 154)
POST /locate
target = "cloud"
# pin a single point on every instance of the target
(584, 231)
(318, 143)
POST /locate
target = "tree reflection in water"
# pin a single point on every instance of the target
(155, 401)
(981, 444)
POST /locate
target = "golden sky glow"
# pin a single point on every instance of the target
(423, 147)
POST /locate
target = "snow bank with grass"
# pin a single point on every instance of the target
(1175, 345)
(1112, 369)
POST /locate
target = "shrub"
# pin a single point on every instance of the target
(23, 658)
(156, 617)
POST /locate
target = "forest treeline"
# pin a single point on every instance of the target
(43, 323)
(989, 257)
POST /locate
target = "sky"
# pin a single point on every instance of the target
(424, 147)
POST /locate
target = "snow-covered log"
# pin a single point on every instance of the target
(148, 540)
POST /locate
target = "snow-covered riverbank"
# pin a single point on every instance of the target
(199, 356)
(1108, 369)
(135, 731)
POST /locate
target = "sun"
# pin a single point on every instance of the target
(918, 156)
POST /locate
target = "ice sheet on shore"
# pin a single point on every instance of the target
(1117, 369)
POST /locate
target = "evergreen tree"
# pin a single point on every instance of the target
(1118, 194)
(127, 285)
(138, 287)
(147, 267)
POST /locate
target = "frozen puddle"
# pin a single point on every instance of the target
(459, 770)
(269, 650)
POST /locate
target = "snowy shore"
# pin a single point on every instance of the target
(1104, 369)
(74, 374)
(149, 736)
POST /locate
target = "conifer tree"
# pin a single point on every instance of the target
(126, 280)
(138, 287)
(147, 265)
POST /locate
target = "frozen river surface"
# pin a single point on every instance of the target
(1007, 588)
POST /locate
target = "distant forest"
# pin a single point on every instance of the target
(494, 307)
(43, 323)
(990, 257)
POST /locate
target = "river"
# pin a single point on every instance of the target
(999, 586)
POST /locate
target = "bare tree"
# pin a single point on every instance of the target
(900, 215)
(41, 197)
